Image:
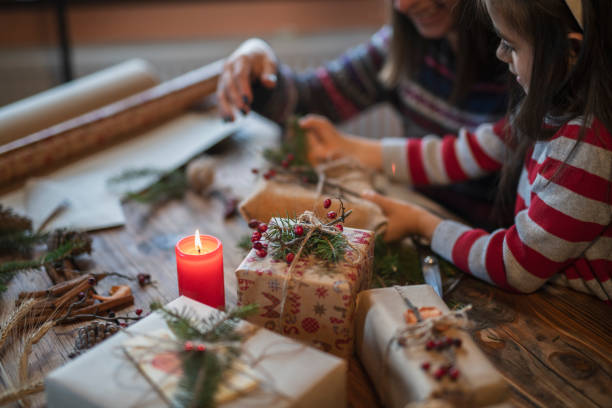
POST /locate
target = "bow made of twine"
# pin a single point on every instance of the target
(413, 335)
(313, 224)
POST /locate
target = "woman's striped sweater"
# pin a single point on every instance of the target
(348, 85)
(563, 216)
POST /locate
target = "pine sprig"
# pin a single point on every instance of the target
(64, 251)
(169, 185)
(294, 143)
(203, 371)
(324, 245)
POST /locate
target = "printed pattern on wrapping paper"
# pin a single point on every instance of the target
(319, 304)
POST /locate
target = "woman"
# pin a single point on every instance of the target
(435, 64)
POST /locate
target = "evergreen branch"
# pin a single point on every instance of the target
(66, 250)
(20, 242)
(203, 371)
(168, 186)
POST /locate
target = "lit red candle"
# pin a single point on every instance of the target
(199, 266)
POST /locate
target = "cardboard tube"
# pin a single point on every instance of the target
(74, 98)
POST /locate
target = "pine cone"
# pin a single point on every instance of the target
(12, 223)
(81, 241)
(92, 334)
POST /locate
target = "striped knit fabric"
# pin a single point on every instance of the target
(348, 85)
(563, 217)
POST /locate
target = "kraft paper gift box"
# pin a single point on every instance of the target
(396, 371)
(319, 298)
(295, 375)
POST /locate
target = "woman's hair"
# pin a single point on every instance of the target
(476, 42)
(566, 82)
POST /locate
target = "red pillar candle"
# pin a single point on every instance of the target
(199, 266)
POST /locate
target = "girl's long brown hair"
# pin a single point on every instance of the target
(563, 85)
(476, 42)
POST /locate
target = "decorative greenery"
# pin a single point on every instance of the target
(203, 370)
(324, 245)
(291, 156)
(16, 234)
(399, 264)
(62, 244)
(245, 243)
(169, 185)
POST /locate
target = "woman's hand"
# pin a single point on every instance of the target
(404, 219)
(252, 60)
(326, 142)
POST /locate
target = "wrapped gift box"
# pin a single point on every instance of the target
(103, 377)
(397, 373)
(319, 297)
(272, 198)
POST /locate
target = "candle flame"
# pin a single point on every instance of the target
(198, 243)
(393, 168)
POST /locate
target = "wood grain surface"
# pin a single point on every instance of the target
(553, 347)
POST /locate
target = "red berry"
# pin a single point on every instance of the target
(262, 227)
(188, 346)
(449, 341)
(201, 347)
(290, 257)
(138, 312)
(331, 215)
(267, 176)
(453, 373)
(123, 324)
(340, 227)
(253, 223)
(285, 163)
(254, 171)
(261, 253)
(256, 236)
(290, 157)
(440, 372)
(298, 230)
(430, 345)
(258, 245)
(327, 203)
(272, 172)
(305, 180)
(425, 365)
(91, 281)
(457, 342)
(142, 281)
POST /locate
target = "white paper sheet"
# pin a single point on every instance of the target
(84, 183)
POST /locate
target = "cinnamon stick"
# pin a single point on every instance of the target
(63, 287)
(69, 270)
(80, 287)
(106, 305)
(53, 274)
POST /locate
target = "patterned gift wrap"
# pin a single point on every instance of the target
(319, 298)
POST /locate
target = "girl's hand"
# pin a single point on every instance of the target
(326, 142)
(252, 60)
(404, 219)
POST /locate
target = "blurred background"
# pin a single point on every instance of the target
(43, 43)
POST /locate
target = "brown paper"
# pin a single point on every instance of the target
(320, 298)
(274, 199)
(397, 376)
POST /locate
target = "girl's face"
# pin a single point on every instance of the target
(513, 49)
(432, 18)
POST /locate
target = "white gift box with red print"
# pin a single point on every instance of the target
(319, 298)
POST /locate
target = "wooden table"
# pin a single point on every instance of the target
(554, 347)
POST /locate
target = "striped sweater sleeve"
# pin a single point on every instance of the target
(562, 222)
(452, 158)
(338, 90)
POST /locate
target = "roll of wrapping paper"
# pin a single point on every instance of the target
(74, 98)
(53, 145)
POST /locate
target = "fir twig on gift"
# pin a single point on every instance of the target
(203, 368)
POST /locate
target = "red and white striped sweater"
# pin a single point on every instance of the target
(563, 217)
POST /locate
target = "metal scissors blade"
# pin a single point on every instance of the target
(431, 273)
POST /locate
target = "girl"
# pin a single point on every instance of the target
(558, 138)
(432, 65)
